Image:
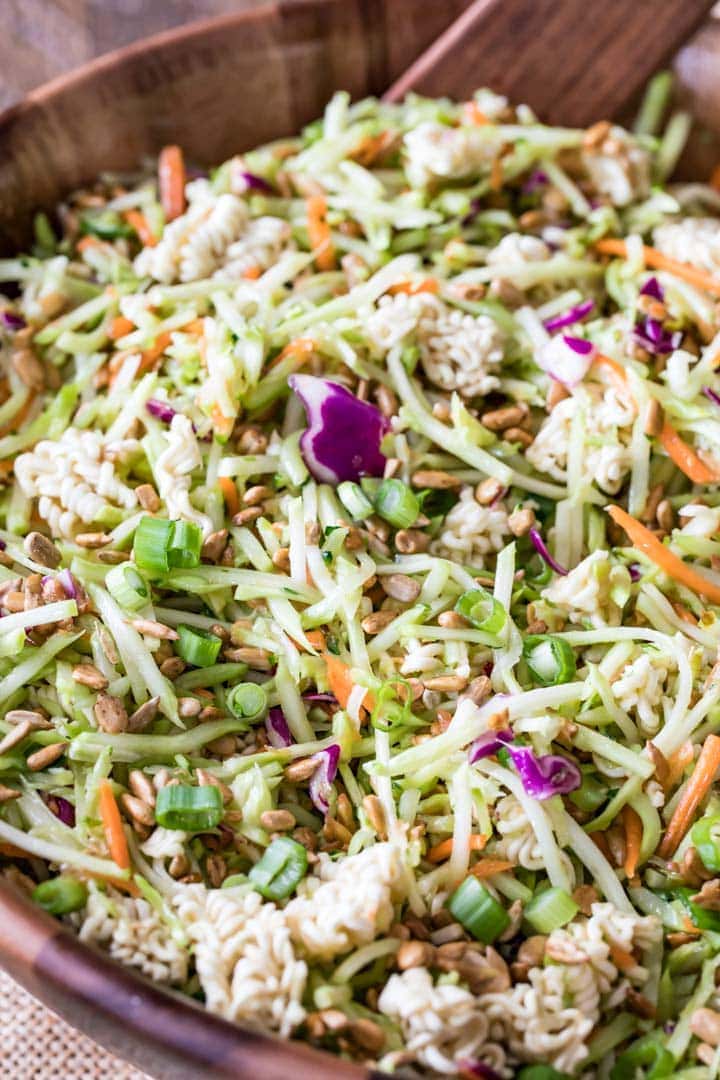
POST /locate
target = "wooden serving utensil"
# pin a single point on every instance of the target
(573, 61)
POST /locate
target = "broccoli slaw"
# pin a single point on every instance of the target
(360, 587)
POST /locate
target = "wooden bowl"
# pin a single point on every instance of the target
(214, 87)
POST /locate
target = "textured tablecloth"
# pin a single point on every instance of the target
(37, 1045)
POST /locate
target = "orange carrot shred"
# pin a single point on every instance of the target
(693, 794)
(412, 288)
(443, 850)
(633, 839)
(252, 273)
(473, 114)
(230, 495)
(677, 763)
(112, 824)
(685, 457)
(141, 225)
(340, 682)
(316, 639)
(88, 242)
(657, 261)
(299, 349)
(120, 326)
(649, 544)
(714, 180)
(622, 959)
(171, 181)
(485, 868)
(319, 232)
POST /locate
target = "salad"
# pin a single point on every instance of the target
(360, 587)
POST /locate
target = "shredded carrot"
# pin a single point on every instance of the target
(485, 868)
(112, 824)
(171, 181)
(412, 288)
(152, 354)
(319, 232)
(88, 242)
(230, 495)
(141, 225)
(714, 180)
(685, 457)
(649, 544)
(614, 370)
(299, 349)
(316, 639)
(120, 326)
(622, 959)
(657, 261)
(222, 424)
(252, 273)
(443, 850)
(120, 884)
(373, 148)
(633, 839)
(693, 794)
(341, 684)
(473, 114)
(677, 763)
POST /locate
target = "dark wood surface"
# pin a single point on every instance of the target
(605, 52)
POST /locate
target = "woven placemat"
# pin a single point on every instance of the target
(37, 1045)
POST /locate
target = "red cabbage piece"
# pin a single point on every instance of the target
(254, 182)
(160, 410)
(566, 359)
(68, 583)
(488, 744)
(342, 441)
(536, 180)
(473, 211)
(569, 318)
(61, 808)
(321, 780)
(541, 548)
(277, 729)
(711, 395)
(471, 1068)
(11, 321)
(653, 288)
(317, 697)
(545, 775)
(652, 336)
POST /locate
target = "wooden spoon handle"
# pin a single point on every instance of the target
(573, 61)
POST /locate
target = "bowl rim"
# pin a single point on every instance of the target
(44, 956)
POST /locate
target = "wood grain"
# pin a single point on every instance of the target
(574, 62)
(43, 39)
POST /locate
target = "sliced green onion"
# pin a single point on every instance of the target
(706, 841)
(354, 500)
(191, 809)
(197, 647)
(540, 1072)
(647, 1054)
(247, 700)
(61, 895)
(482, 610)
(551, 660)
(281, 869)
(550, 909)
(106, 224)
(591, 794)
(185, 544)
(151, 543)
(127, 587)
(478, 911)
(396, 503)
(704, 918)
